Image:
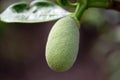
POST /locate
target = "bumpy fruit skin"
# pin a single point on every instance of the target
(62, 45)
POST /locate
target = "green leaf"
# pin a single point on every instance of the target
(36, 11)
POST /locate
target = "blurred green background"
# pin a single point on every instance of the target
(22, 48)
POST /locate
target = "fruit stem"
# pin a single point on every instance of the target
(81, 7)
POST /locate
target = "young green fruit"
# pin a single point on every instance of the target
(62, 45)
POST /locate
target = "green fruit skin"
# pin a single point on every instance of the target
(63, 44)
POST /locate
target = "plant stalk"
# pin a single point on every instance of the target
(81, 7)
